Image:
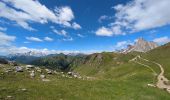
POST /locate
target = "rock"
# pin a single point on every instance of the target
(140, 45)
(32, 74)
(79, 77)
(55, 72)
(8, 70)
(19, 69)
(23, 89)
(69, 73)
(63, 75)
(151, 85)
(9, 97)
(42, 76)
(48, 71)
(45, 80)
(28, 67)
(75, 76)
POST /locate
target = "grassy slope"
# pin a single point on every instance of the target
(116, 79)
(162, 56)
(124, 82)
(98, 64)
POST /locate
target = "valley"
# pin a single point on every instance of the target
(98, 76)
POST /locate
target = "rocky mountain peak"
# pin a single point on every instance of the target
(141, 45)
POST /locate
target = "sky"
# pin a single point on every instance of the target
(81, 26)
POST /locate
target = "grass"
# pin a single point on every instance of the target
(162, 56)
(125, 82)
(116, 79)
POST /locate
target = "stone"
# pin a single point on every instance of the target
(42, 76)
(19, 69)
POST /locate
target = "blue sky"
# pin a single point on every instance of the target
(81, 25)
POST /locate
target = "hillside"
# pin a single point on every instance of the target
(124, 81)
(103, 76)
(162, 56)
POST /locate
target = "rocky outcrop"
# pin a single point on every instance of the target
(141, 45)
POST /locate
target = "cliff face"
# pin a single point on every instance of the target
(141, 45)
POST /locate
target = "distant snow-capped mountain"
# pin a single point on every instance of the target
(30, 53)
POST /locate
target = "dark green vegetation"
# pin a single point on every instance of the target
(23, 59)
(3, 61)
(114, 78)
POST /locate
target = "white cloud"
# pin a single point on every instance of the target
(44, 51)
(29, 11)
(76, 26)
(139, 15)
(5, 40)
(68, 39)
(64, 15)
(80, 35)
(122, 44)
(3, 29)
(144, 14)
(35, 39)
(103, 18)
(62, 32)
(162, 40)
(48, 39)
(103, 31)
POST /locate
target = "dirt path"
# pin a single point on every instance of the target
(162, 80)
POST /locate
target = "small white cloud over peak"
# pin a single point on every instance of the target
(123, 44)
(35, 39)
(48, 39)
(162, 40)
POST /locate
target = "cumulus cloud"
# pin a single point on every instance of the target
(122, 44)
(64, 15)
(5, 40)
(35, 39)
(24, 12)
(162, 40)
(62, 32)
(139, 15)
(103, 31)
(48, 39)
(76, 26)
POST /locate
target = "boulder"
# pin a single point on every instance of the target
(32, 74)
(18, 69)
(42, 76)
